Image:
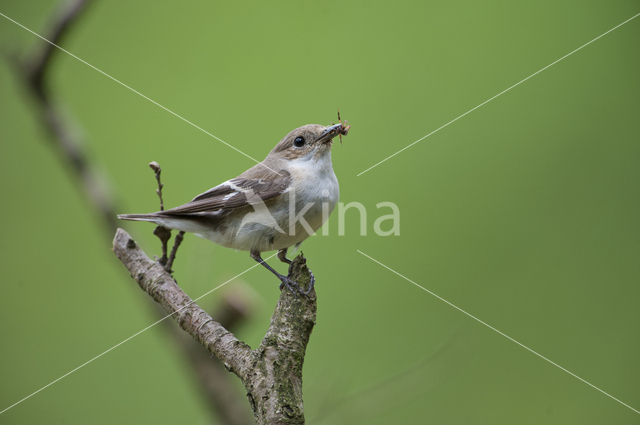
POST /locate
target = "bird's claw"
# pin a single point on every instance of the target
(290, 284)
(312, 282)
(295, 287)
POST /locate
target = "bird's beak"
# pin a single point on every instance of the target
(332, 131)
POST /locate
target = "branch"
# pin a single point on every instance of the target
(276, 390)
(272, 374)
(157, 282)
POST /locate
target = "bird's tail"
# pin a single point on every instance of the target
(162, 219)
(153, 217)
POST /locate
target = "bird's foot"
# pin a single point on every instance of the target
(294, 286)
(289, 283)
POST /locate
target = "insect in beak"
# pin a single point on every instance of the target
(344, 127)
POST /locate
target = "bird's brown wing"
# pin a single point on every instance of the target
(234, 193)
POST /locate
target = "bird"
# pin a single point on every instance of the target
(274, 205)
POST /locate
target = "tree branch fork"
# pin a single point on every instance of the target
(271, 373)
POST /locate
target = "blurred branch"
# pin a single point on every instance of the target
(272, 373)
(37, 67)
(34, 72)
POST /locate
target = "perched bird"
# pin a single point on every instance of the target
(273, 205)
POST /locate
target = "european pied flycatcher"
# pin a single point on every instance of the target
(273, 205)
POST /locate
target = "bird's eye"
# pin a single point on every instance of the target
(298, 142)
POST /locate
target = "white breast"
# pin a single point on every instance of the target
(315, 181)
(267, 227)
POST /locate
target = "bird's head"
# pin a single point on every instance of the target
(311, 141)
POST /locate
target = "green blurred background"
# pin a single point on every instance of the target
(524, 213)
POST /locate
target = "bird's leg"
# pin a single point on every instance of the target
(290, 284)
(282, 256)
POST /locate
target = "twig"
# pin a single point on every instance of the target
(157, 170)
(272, 373)
(176, 244)
(163, 233)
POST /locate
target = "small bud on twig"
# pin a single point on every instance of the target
(161, 232)
(157, 170)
